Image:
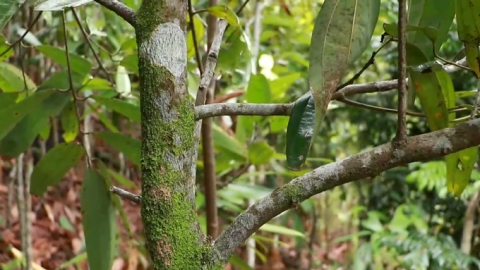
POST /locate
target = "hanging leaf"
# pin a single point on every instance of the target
(129, 146)
(98, 219)
(54, 165)
(341, 33)
(12, 79)
(300, 131)
(468, 27)
(70, 123)
(122, 82)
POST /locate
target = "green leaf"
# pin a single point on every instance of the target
(78, 64)
(342, 31)
(122, 180)
(129, 146)
(23, 134)
(233, 50)
(223, 142)
(258, 90)
(199, 33)
(245, 127)
(97, 84)
(12, 114)
(280, 230)
(7, 9)
(300, 131)
(468, 28)
(124, 108)
(459, 169)
(12, 80)
(130, 62)
(70, 122)
(98, 221)
(279, 86)
(260, 153)
(7, 99)
(428, 88)
(122, 81)
(226, 13)
(54, 165)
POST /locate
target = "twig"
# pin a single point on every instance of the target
(120, 9)
(376, 108)
(23, 36)
(402, 72)
(367, 64)
(126, 195)
(95, 55)
(366, 164)
(477, 100)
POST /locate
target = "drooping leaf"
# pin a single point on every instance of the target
(129, 110)
(98, 221)
(70, 123)
(468, 28)
(427, 87)
(78, 64)
(122, 82)
(54, 165)
(300, 131)
(226, 13)
(12, 114)
(7, 9)
(23, 134)
(260, 153)
(342, 31)
(54, 5)
(273, 228)
(129, 146)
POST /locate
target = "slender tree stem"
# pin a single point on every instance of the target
(402, 71)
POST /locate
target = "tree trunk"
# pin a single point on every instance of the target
(174, 238)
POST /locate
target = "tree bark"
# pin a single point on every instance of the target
(174, 238)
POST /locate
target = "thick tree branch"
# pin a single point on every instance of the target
(120, 9)
(218, 109)
(367, 164)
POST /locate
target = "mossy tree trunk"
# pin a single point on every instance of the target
(174, 238)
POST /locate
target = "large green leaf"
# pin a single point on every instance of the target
(341, 33)
(78, 64)
(54, 165)
(427, 87)
(438, 14)
(129, 146)
(23, 134)
(300, 131)
(54, 5)
(98, 219)
(12, 114)
(260, 153)
(129, 110)
(61, 81)
(7, 9)
(468, 27)
(70, 123)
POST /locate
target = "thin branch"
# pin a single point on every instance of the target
(376, 108)
(205, 111)
(126, 195)
(367, 164)
(23, 36)
(211, 63)
(120, 9)
(402, 72)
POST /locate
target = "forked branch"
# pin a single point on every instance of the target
(120, 9)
